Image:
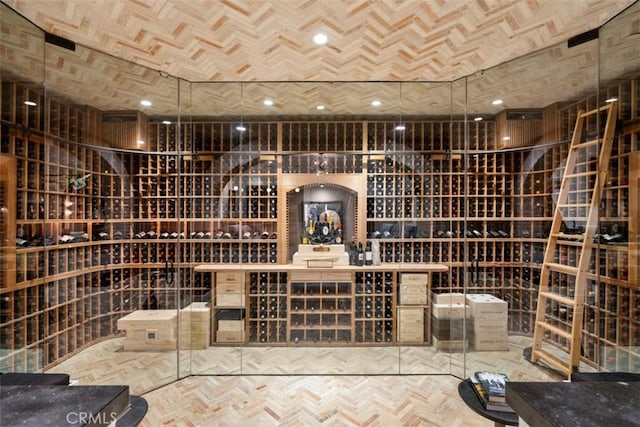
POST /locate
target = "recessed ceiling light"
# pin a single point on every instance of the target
(376, 103)
(320, 107)
(478, 119)
(241, 128)
(497, 102)
(145, 103)
(268, 102)
(30, 103)
(320, 38)
(166, 122)
(612, 99)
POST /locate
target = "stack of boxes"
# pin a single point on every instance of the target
(411, 310)
(449, 314)
(489, 314)
(230, 302)
(149, 330)
(195, 326)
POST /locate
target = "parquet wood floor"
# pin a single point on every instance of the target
(306, 386)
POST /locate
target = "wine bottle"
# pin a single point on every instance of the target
(360, 260)
(368, 256)
(353, 254)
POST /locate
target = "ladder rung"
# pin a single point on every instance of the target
(569, 236)
(595, 110)
(574, 205)
(555, 361)
(554, 329)
(561, 268)
(557, 297)
(586, 144)
(579, 175)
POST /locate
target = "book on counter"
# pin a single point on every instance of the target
(490, 388)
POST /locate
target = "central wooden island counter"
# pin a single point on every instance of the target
(291, 304)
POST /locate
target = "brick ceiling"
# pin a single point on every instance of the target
(268, 43)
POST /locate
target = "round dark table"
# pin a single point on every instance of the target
(137, 410)
(469, 396)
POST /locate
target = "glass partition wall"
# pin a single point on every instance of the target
(203, 233)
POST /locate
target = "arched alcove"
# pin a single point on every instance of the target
(333, 196)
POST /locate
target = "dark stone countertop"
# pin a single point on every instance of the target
(53, 405)
(26, 378)
(570, 404)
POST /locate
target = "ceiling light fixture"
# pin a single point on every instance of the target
(241, 127)
(320, 39)
(376, 103)
(268, 102)
(400, 126)
(145, 103)
(166, 122)
(497, 102)
(320, 107)
(30, 103)
(478, 119)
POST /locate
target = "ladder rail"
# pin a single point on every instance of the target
(575, 298)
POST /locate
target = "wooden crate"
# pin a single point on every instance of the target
(230, 336)
(413, 294)
(411, 324)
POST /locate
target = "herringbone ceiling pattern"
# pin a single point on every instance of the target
(270, 42)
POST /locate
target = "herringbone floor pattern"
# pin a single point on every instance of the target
(311, 401)
(309, 386)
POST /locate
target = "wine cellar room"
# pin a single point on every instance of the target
(197, 224)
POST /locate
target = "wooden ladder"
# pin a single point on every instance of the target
(563, 279)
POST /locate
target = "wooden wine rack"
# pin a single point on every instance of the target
(66, 296)
(293, 305)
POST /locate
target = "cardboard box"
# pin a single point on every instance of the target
(411, 333)
(411, 324)
(230, 300)
(230, 336)
(484, 324)
(480, 344)
(449, 311)
(449, 298)
(411, 315)
(450, 329)
(195, 326)
(149, 330)
(485, 305)
(451, 346)
(230, 325)
(194, 340)
(413, 295)
(229, 288)
(489, 341)
(414, 279)
(230, 277)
